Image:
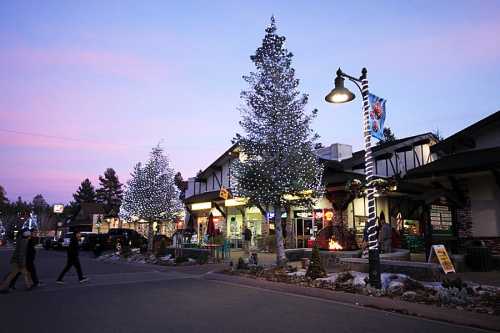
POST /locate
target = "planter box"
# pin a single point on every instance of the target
(418, 270)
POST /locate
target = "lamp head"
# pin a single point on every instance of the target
(339, 94)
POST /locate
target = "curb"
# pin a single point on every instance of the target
(453, 316)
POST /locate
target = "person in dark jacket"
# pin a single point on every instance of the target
(18, 262)
(30, 262)
(73, 259)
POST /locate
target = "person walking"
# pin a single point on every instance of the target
(18, 262)
(30, 262)
(247, 238)
(73, 260)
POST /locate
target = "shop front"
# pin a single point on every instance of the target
(307, 223)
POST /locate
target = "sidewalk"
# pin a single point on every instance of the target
(454, 316)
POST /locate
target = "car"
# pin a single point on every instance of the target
(124, 236)
(91, 239)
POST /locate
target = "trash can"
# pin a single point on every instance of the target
(478, 256)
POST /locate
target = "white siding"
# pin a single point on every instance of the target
(485, 206)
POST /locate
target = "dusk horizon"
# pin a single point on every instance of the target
(96, 86)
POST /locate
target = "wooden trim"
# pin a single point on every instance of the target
(217, 178)
(219, 209)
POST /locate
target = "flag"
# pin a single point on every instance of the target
(377, 116)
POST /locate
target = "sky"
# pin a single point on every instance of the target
(87, 85)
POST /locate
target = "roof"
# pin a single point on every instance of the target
(216, 163)
(469, 161)
(340, 177)
(84, 215)
(358, 157)
(463, 137)
(203, 197)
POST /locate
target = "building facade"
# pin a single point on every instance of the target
(210, 194)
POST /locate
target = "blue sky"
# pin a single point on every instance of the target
(103, 82)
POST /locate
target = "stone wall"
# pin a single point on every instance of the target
(464, 214)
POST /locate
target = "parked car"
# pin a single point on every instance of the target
(90, 239)
(126, 237)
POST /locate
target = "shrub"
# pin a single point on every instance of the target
(180, 259)
(449, 283)
(202, 258)
(241, 264)
(315, 269)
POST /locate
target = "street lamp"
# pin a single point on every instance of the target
(340, 94)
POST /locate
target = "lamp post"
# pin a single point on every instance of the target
(340, 94)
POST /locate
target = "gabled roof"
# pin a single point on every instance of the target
(217, 163)
(358, 157)
(469, 161)
(84, 215)
(464, 137)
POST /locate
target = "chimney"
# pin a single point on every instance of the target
(336, 152)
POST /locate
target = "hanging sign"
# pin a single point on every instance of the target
(377, 116)
(443, 258)
(224, 193)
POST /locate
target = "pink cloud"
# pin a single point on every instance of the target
(114, 63)
(46, 141)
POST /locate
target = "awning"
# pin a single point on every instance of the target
(203, 197)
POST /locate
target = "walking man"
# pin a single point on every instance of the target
(18, 262)
(30, 262)
(73, 259)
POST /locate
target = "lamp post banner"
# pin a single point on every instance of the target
(377, 116)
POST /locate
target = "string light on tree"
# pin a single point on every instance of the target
(151, 194)
(278, 143)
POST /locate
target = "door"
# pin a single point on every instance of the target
(303, 229)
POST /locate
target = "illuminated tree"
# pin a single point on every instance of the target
(278, 144)
(151, 194)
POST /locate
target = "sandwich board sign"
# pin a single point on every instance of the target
(443, 258)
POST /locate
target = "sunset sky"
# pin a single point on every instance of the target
(87, 85)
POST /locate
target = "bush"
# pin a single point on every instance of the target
(315, 269)
(241, 264)
(449, 283)
(180, 259)
(202, 258)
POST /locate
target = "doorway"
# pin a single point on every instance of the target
(303, 231)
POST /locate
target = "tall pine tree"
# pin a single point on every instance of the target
(4, 202)
(39, 204)
(110, 193)
(85, 193)
(151, 193)
(278, 143)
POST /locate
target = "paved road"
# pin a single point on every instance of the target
(125, 298)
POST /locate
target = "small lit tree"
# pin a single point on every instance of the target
(151, 193)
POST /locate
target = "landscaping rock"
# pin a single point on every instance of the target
(409, 296)
(396, 288)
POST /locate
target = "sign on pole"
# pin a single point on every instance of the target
(58, 208)
(443, 258)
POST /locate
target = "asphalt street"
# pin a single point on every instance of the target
(134, 298)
